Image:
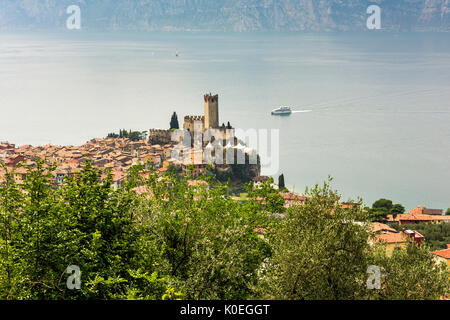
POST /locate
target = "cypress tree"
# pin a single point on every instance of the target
(174, 121)
(281, 184)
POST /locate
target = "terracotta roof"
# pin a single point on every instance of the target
(293, 196)
(346, 205)
(443, 253)
(376, 226)
(390, 237)
(418, 217)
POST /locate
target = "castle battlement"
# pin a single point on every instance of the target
(194, 118)
(211, 98)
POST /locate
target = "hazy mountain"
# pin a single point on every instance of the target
(227, 15)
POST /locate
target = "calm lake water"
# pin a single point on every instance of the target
(380, 119)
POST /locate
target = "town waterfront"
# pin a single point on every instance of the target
(380, 110)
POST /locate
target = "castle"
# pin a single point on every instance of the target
(213, 138)
(210, 120)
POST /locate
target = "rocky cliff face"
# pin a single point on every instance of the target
(227, 15)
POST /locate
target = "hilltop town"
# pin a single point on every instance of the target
(119, 154)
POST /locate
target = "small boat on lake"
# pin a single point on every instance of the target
(281, 111)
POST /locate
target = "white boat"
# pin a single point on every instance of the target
(281, 111)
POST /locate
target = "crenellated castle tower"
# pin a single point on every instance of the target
(209, 141)
(211, 111)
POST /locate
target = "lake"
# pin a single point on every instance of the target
(380, 102)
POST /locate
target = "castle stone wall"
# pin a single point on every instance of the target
(158, 136)
(189, 122)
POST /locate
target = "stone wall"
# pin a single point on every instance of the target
(190, 120)
(158, 136)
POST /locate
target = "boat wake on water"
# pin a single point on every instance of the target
(301, 111)
(339, 103)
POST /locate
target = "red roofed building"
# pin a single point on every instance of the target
(414, 236)
(14, 160)
(7, 146)
(443, 255)
(349, 205)
(422, 210)
(408, 218)
(291, 199)
(377, 227)
(118, 178)
(391, 241)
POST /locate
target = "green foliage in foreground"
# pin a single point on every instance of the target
(181, 242)
(321, 251)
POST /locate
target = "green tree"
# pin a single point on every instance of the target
(173, 169)
(274, 202)
(447, 213)
(397, 209)
(132, 135)
(210, 250)
(112, 135)
(384, 207)
(410, 274)
(178, 241)
(84, 223)
(137, 136)
(123, 133)
(174, 121)
(383, 204)
(112, 258)
(320, 251)
(39, 247)
(11, 200)
(281, 183)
